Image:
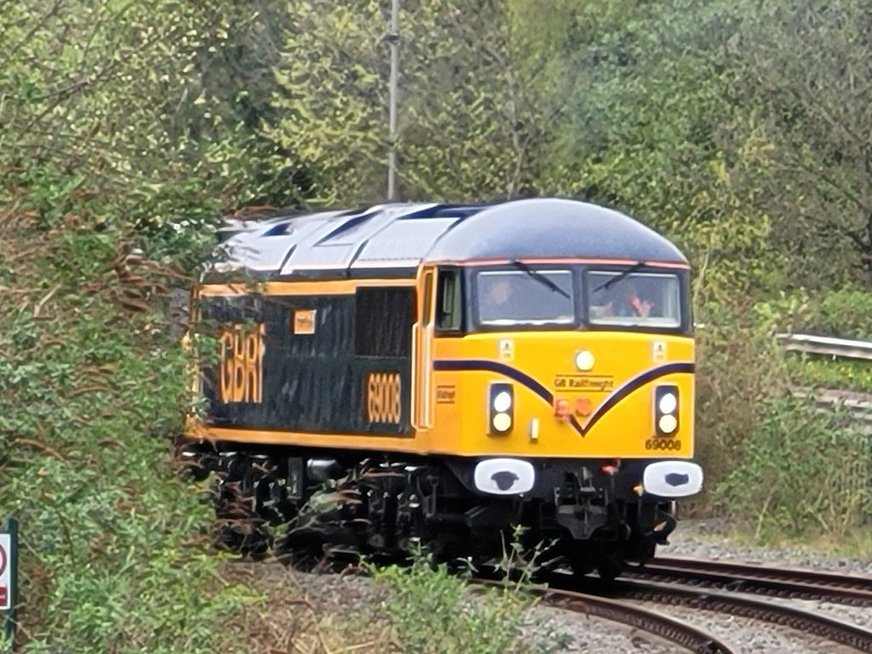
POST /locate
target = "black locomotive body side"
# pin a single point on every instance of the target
(304, 363)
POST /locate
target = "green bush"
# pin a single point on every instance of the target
(435, 611)
(839, 313)
(744, 374)
(828, 372)
(115, 552)
(802, 472)
(739, 367)
(843, 313)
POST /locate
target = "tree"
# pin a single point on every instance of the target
(806, 71)
(131, 114)
(478, 98)
(644, 136)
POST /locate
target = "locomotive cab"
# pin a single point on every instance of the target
(520, 296)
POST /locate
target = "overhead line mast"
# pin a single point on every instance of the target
(393, 39)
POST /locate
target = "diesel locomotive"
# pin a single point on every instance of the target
(430, 374)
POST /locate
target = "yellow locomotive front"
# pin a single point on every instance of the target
(568, 381)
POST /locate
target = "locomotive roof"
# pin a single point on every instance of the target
(395, 239)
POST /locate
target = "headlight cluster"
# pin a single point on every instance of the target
(501, 408)
(666, 410)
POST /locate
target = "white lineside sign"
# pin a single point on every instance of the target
(5, 572)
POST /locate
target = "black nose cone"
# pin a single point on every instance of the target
(504, 479)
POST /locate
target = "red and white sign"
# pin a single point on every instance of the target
(5, 572)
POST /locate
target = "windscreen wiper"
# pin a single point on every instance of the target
(539, 277)
(614, 280)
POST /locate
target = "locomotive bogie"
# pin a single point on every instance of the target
(375, 505)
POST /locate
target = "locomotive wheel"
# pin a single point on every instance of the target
(194, 471)
(610, 561)
(608, 569)
(581, 565)
(245, 538)
(301, 550)
(607, 559)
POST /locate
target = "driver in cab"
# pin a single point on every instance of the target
(628, 302)
(496, 299)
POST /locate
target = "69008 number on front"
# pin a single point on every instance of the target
(663, 444)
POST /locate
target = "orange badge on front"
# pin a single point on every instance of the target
(583, 407)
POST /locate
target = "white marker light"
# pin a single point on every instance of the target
(668, 424)
(504, 476)
(534, 429)
(584, 360)
(672, 478)
(502, 422)
(668, 403)
(502, 402)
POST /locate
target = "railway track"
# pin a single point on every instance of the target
(691, 637)
(756, 579)
(662, 593)
(590, 596)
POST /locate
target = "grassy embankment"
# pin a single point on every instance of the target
(782, 470)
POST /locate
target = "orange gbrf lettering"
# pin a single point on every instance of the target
(241, 368)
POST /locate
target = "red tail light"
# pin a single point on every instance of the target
(583, 407)
(562, 409)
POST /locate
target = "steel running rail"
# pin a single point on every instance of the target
(681, 633)
(742, 577)
(738, 605)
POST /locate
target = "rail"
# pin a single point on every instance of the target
(796, 583)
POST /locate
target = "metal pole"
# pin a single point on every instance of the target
(9, 621)
(393, 39)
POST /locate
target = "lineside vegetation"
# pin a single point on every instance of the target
(737, 129)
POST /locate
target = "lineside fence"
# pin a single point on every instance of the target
(839, 348)
(859, 405)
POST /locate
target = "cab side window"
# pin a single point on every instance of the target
(449, 301)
